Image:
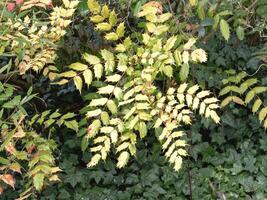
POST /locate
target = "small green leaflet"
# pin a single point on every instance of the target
(91, 59)
(93, 113)
(113, 78)
(84, 143)
(98, 102)
(93, 6)
(113, 18)
(184, 71)
(170, 43)
(88, 77)
(142, 129)
(78, 83)
(111, 36)
(78, 66)
(103, 26)
(38, 181)
(240, 32)
(98, 70)
(112, 107)
(225, 29)
(73, 124)
(120, 30)
(106, 89)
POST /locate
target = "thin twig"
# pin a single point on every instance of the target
(257, 70)
(170, 6)
(3, 11)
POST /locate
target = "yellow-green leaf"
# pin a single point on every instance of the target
(177, 57)
(161, 29)
(123, 159)
(61, 82)
(88, 76)
(170, 43)
(184, 71)
(225, 29)
(250, 95)
(133, 122)
(98, 102)
(78, 83)
(164, 17)
(262, 114)
(142, 129)
(259, 89)
(93, 6)
(68, 74)
(120, 30)
(193, 2)
(97, 18)
(98, 71)
(105, 118)
(113, 18)
(167, 70)
(113, 78)
(256, 105)
(91, 59)
(38, 181)
(106, 89)
(103, 26)
(78, 66)
(93, 113)
(240, 32)
(112, 107)
(150, 27)
(111, 36)
(105, 11)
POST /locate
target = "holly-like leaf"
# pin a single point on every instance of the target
(184, 71)
(78, 83)
(8, 179)
(38, 181)
(73, 124)
(225, 29)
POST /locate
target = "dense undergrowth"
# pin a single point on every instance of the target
(133, 99)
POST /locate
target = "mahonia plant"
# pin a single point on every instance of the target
(34, 39)
(242, 89)
(126, 100)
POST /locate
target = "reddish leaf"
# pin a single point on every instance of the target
(1, 190)
(20, 133)
(19, 2)
(30, 149)
(10, 7)
(10, 148)
(8, 179)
